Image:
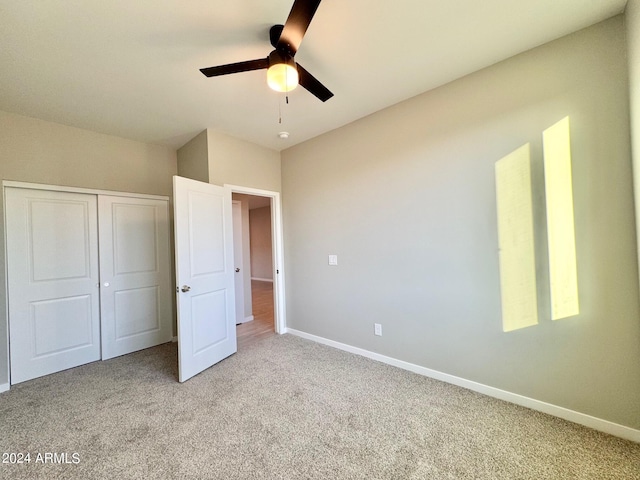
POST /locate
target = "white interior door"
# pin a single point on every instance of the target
(52, 263)
(135, 292)
(205, 275)
(238, 261)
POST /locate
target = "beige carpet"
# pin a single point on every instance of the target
(287, 408)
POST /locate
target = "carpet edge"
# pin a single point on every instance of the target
(595, 423)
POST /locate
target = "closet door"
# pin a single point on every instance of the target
(135, 259)
(52, 263)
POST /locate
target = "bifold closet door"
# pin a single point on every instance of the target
(135, 290)
(52, 265)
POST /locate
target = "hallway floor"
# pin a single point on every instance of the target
(262, 325)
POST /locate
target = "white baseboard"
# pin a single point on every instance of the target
(561, 412)
(4, 387)
(248, 319)
(258, 279)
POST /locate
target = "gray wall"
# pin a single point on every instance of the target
(237, 162)
(43, 152)
(261, 245)
(193, 158)
(406, 199)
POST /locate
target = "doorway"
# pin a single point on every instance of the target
(262, 262)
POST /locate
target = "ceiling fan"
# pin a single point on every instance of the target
(283, 72)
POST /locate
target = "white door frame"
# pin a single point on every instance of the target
(279, 310)
(90, 191)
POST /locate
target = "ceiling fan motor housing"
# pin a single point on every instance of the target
(274, 34)
(278, 56)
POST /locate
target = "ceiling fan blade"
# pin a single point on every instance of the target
(296, 25)
(236, 67)
(312, 84)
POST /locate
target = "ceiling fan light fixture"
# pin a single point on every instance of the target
(282, 75)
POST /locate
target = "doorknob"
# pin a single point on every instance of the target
(185, 288)
(237, 270)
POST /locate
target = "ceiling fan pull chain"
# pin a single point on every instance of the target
(286, 83)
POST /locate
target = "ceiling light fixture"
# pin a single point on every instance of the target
(282, 75)
(283, 135)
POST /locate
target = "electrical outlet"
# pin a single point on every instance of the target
(377, 329)
(333, 260)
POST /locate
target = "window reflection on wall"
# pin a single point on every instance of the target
(563, 272)
(516, 231)
(515, 236)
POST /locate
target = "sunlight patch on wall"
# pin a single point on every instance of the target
(516, 241)
(563, 274)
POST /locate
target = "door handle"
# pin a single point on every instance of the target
(237, 270)
(185, 288)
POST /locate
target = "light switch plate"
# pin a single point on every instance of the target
(333, 259)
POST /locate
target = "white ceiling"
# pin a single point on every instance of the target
(130, 67)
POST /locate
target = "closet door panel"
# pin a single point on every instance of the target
(52, 263)
(135, 291)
